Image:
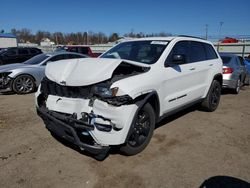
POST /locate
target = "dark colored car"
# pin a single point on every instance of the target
(86, 50)
(17, 54)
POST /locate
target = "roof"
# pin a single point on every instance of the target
(7, 35)
(64, 52)
(169, 38)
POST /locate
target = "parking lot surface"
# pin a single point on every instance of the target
(186, 149)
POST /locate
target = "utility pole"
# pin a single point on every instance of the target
(218, 46)
(221, 23)
(206, 28)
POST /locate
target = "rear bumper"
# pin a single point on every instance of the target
(231, 84)
(70, 131)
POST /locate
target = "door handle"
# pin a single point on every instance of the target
(211, 65)
(192, 69)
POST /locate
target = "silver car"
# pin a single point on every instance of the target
(23, 78)
(234, 72)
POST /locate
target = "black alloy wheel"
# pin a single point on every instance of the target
(141, 132)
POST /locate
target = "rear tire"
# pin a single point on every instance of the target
(142, 131)
(247, 80)
(236, 90)
(212, 99)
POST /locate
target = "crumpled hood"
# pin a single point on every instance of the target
(10, 67)
(85, 71)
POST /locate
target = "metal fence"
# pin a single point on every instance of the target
(242, 49)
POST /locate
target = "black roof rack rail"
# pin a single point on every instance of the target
(190, 37)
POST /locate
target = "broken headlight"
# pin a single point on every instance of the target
(4, 79)
(104, 91)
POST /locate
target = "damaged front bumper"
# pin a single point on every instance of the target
(5, 84)
(105, 124)
(56, 123)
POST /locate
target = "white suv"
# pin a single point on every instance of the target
(116, 99)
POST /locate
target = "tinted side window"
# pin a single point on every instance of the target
(211, 54)
(83, 50)
(34, 51)
(58, 57)
(241, 61)
(23, 52)
(197, 52)
(225, 59)
(73, 56)
(11, 53)
(237, 61)
(180, 48)
(72, 49)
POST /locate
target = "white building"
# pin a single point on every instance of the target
(46, 42)
(7, 40)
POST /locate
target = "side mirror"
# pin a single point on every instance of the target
(178, 59)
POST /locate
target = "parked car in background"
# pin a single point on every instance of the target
(234, 72)
(247, 64)
(17, 54)
(25, 77)
(86, 50)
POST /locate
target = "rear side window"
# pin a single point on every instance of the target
(23, 52)
(241, 61)
(72, 49)
(11, 52)
(83, 50)
(180, 48)
(58, 57)
(73, 56)
(34, 51)
(211, 54)
(197, 52)
(226, 59)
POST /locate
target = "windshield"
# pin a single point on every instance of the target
(37, 59)
(147, 52)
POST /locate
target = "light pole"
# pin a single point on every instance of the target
(206, 28)
(218, 46)
(221, 23)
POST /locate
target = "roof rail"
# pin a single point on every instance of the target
(190, 37)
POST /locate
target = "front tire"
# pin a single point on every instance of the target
(23, 84)
(212, 100)
(142, 131)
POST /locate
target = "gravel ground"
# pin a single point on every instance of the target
(186, 149)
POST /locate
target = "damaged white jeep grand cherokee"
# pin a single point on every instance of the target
(116, 99)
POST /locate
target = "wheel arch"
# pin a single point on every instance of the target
(140, 101)
(219, 78)
(151, 98)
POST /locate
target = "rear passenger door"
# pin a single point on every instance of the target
(201, 69)
(186, 82)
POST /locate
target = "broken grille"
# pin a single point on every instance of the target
(49, 87)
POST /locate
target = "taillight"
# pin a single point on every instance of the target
(228, 70)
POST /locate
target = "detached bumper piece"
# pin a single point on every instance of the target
(72, 130)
